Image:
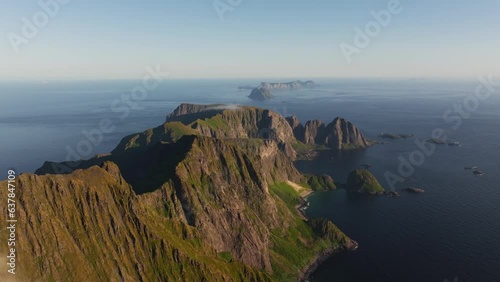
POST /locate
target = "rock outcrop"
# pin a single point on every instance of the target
(185, 108)
(314, 132)
(217, 121)
(260, 94)
(340, 134)
(363, 181)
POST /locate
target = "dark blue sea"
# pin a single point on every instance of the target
(449, 233)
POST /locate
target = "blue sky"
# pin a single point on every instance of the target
(90, 39)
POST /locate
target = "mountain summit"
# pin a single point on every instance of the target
(210, 195)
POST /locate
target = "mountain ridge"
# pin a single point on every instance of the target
(217, 196)
(220, 208)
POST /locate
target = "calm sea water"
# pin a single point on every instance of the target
(451, 231)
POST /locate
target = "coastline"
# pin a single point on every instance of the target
(322, 257)
(303, 204)
(325, 254)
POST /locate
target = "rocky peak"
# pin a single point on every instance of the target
(314, 132)
(342, 134)
(297, 127)
(339, 134)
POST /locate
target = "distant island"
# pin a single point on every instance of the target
(262, 92)
(444, 142)
(297, 84)
(395, 136)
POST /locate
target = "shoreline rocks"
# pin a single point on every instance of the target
(414, 190)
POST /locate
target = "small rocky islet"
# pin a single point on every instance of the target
(438, 141)
(395, 136)
(363, 181)
(414, 190)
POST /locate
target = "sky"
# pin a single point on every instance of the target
(117, 39)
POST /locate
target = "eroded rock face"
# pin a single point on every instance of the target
(297, 127)
(340, 134)
(96, 228)
(206, 196)
(177, 195)
(186, 108)
(314, 132)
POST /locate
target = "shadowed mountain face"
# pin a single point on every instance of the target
(208, 209)
(209, 195)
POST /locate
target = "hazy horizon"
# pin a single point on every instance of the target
(248, 39)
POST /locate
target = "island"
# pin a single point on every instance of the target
(395, 136)
(436, 141)
(262, 92)
(414, 190)
(444, 142)
(363, 181)
(297, 84)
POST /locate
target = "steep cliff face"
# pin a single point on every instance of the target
(225, 184)
(314, 132)
(340, 134)
(230, 122)
(297, 127)
(90, 226)
(196, 209)
(218, 121)
(187, 109)
(223, 121)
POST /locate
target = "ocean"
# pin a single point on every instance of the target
(449, 233)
